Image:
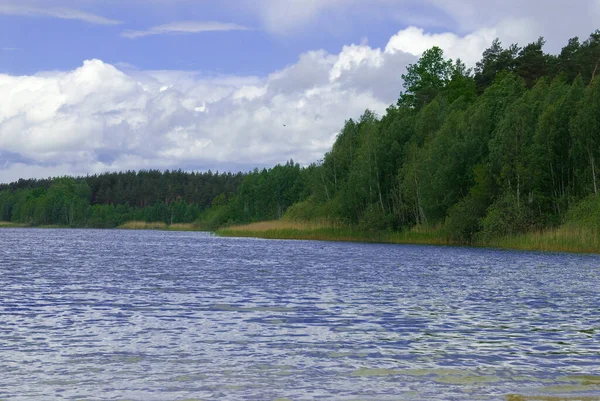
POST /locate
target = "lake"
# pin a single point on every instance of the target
(143, 315)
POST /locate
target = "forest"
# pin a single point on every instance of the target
(111, 199)
(510, 146)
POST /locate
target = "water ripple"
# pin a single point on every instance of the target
(115, 315)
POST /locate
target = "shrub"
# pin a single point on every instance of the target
(375, 219)
(309, 210)
(505, 217)
(464, 220)
(586, 213)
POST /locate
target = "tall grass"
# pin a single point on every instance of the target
(8, 224)
(330, 231)
(184, 227)
(567, 238)
(143, 225)
(516, 397)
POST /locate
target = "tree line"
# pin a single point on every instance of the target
(510, 146)
(108, 200)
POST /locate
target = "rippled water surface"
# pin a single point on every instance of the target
(120, 315)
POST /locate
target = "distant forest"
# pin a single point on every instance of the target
(109, 200)
(510, 146)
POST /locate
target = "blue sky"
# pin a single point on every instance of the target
(46, 43)
(101, 85)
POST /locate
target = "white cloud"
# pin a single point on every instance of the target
(468, 48)
(102, 118)
(98, 117)
(519, 20)
(55, 12)
(556, 20)
(185, 27)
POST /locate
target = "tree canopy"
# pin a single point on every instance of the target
(512, 146)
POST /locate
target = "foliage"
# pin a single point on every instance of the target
(109, 200)
(424, 81)
(508, 148)
(506, 216)
(585, 213)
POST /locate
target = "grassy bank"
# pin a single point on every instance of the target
(142, 225)
(563, 239)
(8, 224)
(568, 238)
(130, 225)
(324, 231)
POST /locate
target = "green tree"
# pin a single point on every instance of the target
(495, 60)
(426, 79)
(585, 130)
(532, 63)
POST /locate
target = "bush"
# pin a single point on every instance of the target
(464, 220)
(309, 210)
(214, 218)
(586, 213)
(505, 217)
(375, 219)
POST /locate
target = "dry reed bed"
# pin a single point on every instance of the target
(329, 231)
(8, 224)
(567, 238)
(142, 225)
(563, 239)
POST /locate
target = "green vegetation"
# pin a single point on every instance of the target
(168, 198)
(285, 229)
(7, 224)
(158, 225)
(505, 155)
(567, 238)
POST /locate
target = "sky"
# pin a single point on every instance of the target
(90, 86)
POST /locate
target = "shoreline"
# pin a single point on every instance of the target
(126, 226)
(560, 240)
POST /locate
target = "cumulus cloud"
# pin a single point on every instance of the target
(468, 48)
(55, 12)
(556, 20)
(185, 27)
(102, 117)
(99, 117)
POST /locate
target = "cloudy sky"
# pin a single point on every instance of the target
(88, 86)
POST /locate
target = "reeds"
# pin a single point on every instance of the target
(159, 225)
(143, 225)
(184, 227)
(330, 231)
(8, 224)
(567, 238)
(516, 397)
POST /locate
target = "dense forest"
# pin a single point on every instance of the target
(109, 200)
(510, 146)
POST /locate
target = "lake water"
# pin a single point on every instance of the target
(124, 315)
